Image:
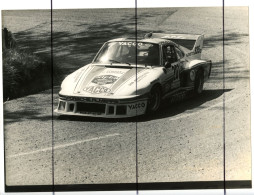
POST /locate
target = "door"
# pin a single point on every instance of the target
(172, 65)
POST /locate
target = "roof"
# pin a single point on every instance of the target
(175, 36)
(149, 40)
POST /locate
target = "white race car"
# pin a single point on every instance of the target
(130, 77)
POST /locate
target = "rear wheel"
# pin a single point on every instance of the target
(154, 100)
(199, 82)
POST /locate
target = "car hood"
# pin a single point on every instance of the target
(97, 80)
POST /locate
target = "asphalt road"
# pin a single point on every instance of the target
(182, 142)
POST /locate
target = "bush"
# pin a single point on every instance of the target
(8, 39)
(25, 73)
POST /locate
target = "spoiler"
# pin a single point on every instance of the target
(193, 43)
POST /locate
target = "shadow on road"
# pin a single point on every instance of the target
(230, 38)
(75, 43)
(231, 73)
(168, 109)
(191, 104)
(24, 114)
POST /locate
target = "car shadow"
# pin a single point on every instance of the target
(189, 103)
(169, 108)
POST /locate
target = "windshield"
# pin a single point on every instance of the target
(125, 52)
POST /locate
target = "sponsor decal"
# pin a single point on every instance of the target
(88, 99)
(196, 51)
(115, 72)
(136, 106)
(105, 79)
(172, 37)
(87, 76)
(134, 44)
(139, 78)
(97, 89)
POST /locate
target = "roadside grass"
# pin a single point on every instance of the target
(25, 73)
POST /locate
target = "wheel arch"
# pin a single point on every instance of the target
(154, 104)
(156, 85)
(200, 69)
(199, 81)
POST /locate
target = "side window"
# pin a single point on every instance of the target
(179, 53)
(169, 54)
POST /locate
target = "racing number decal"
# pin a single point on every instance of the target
(170, 56)
(176, 69)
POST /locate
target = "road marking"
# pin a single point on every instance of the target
(204, 109)
(63, 145)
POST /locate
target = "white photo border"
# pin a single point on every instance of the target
(65, 4)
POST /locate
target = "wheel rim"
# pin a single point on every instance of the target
(155, 100)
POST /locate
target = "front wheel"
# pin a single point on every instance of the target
(154, 100)
(199, 83)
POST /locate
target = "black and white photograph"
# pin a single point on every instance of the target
(126, 99)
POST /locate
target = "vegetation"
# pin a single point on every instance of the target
(26, 73)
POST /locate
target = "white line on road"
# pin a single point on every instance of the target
(63, 145)
(204, 109)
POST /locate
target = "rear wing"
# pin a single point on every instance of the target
(193, 43)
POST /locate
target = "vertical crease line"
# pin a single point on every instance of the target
(52, 94)
(224, 124)
(136, 38)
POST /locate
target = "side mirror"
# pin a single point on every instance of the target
(167, 64)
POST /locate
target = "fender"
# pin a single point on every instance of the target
(206, 66)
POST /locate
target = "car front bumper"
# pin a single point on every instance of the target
(101, 107)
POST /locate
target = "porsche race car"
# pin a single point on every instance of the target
(130, 77)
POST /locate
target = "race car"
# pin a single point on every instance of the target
(130, 77)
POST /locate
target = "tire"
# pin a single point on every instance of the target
(154, 101)
(199, 82)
